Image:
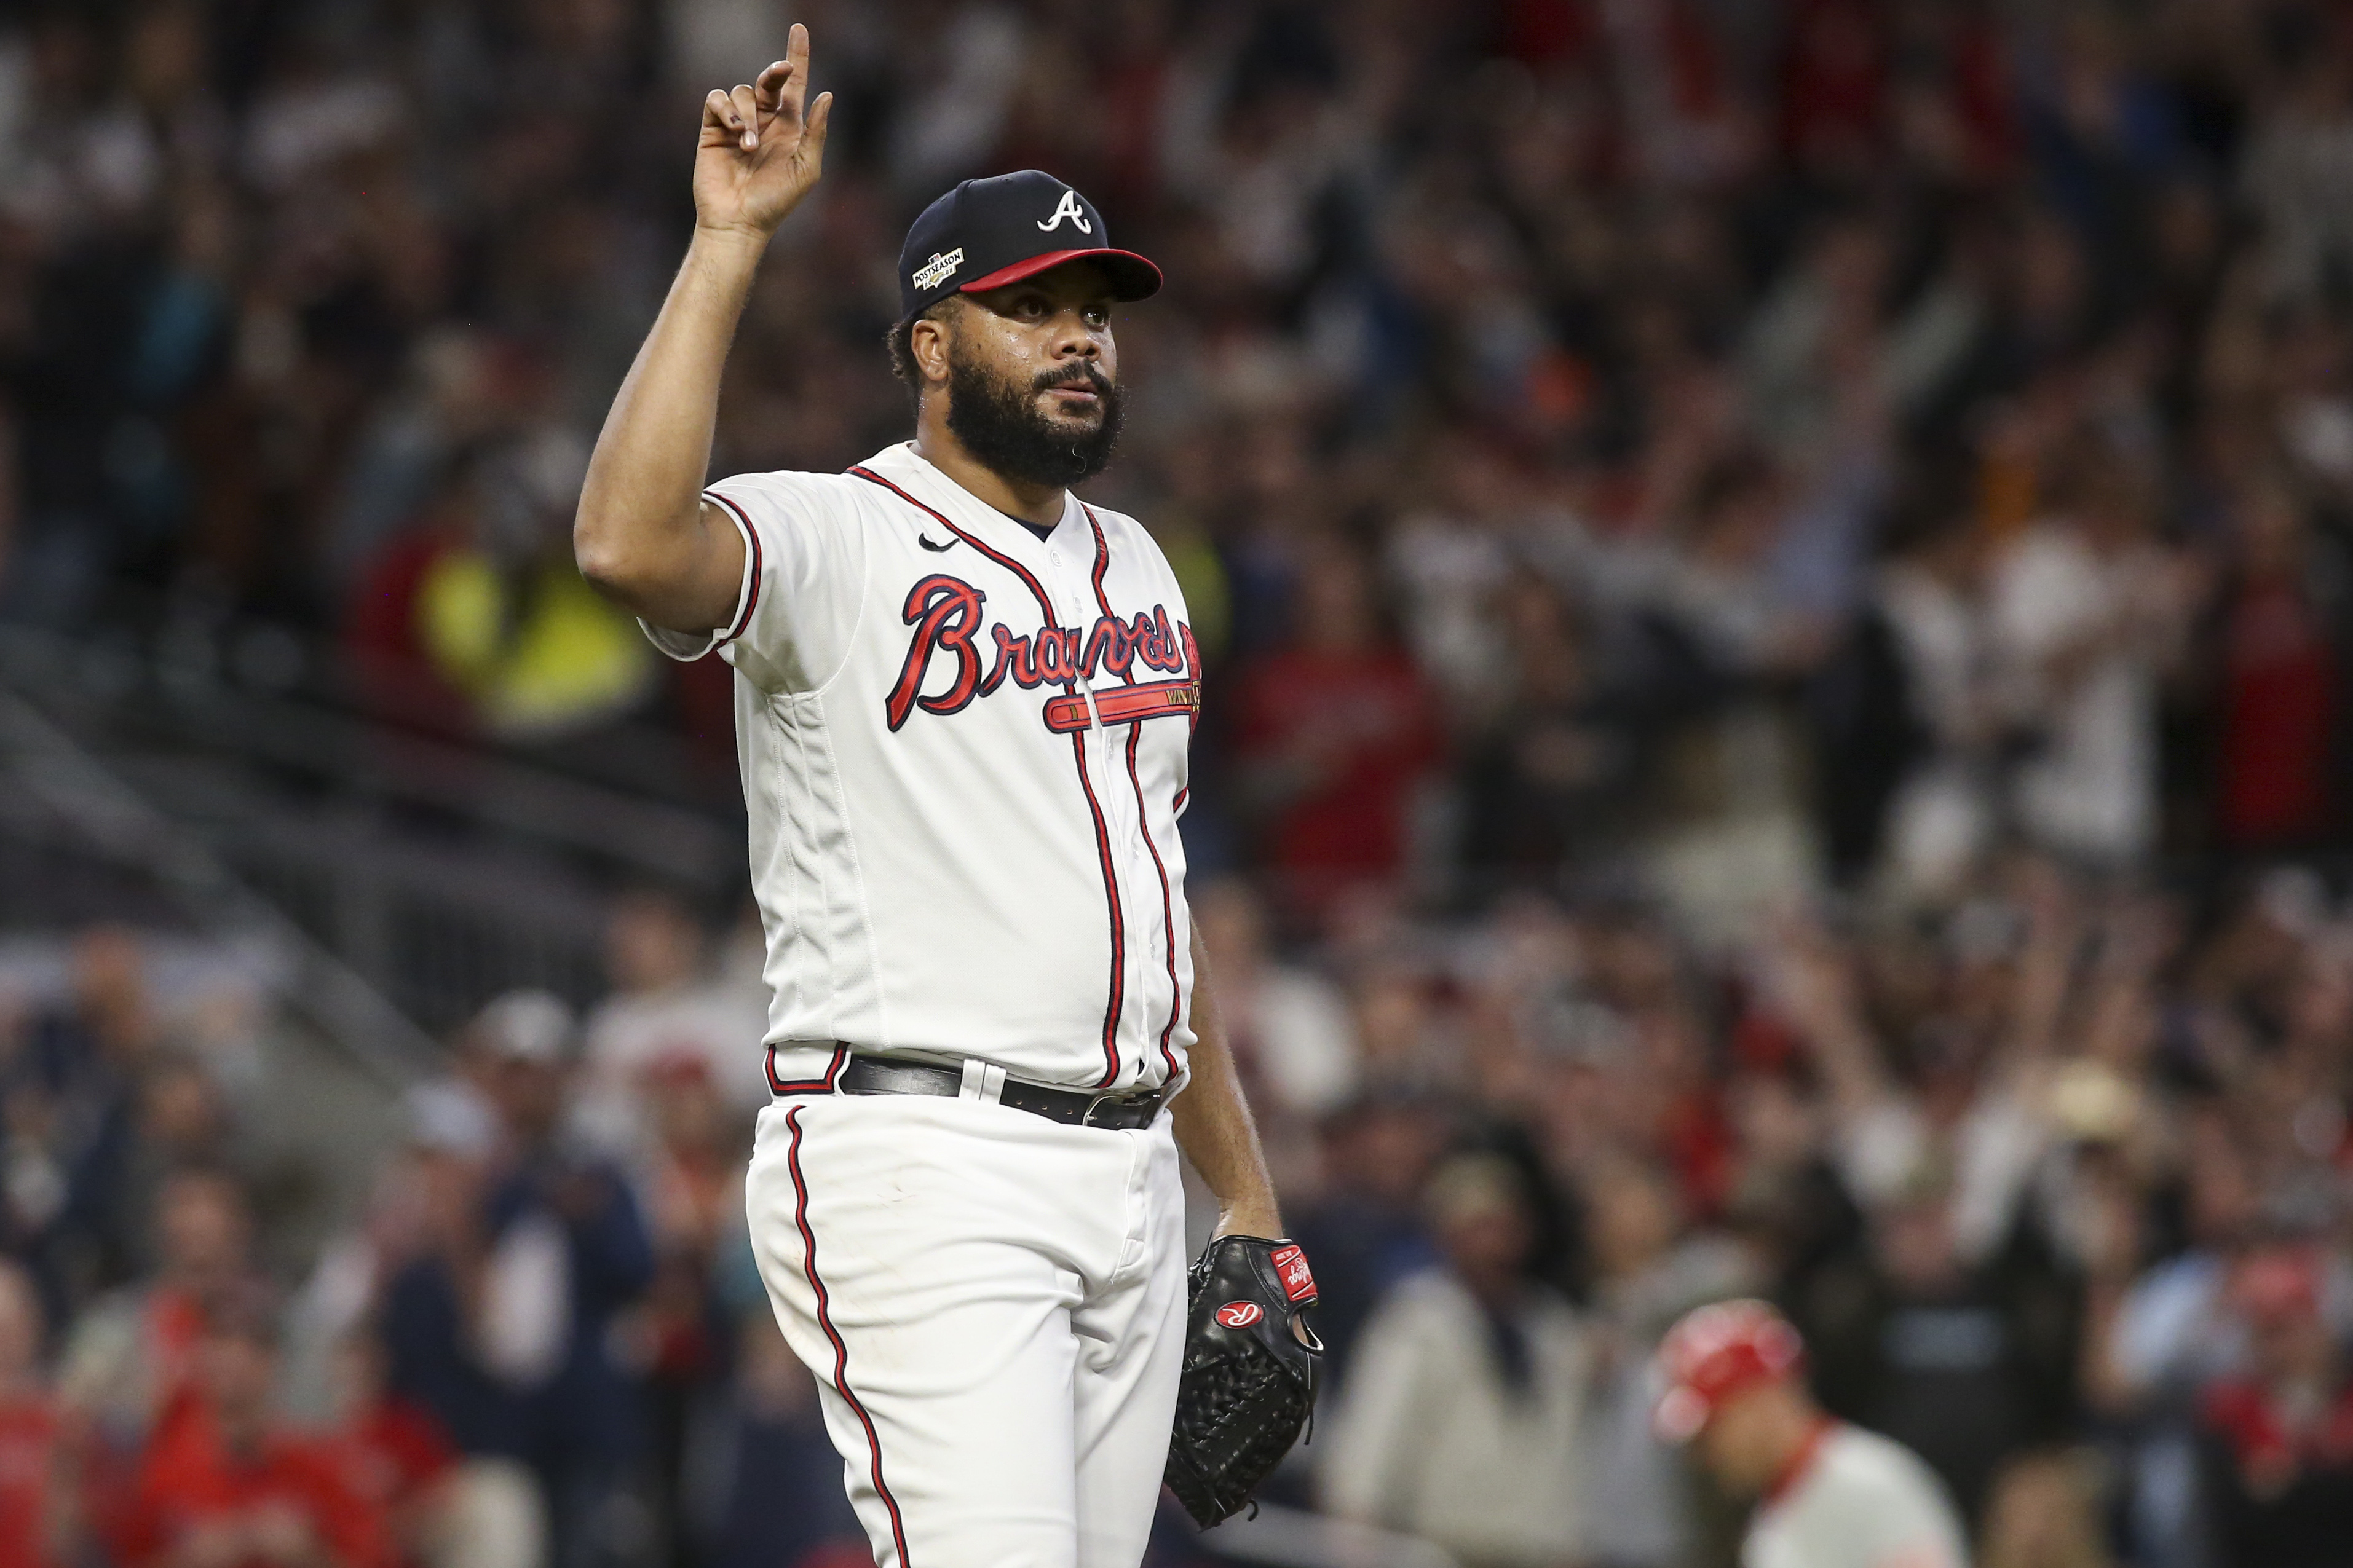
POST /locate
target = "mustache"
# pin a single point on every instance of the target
(1087, 377)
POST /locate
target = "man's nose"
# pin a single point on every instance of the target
(1073, 337)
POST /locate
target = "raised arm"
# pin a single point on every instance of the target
(1812, 981)
(643, 534)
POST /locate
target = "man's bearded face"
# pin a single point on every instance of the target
(1013, 426)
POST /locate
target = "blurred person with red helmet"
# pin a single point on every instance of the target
(2277, 1437)
(1828, 1495)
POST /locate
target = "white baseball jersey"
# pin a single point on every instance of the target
(1855, 1499)
(964, 755)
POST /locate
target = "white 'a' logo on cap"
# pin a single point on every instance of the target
(1068, 208)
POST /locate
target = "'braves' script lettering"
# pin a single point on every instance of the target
(946, 616)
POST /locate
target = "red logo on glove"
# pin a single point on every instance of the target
(1239, 1314)
(1290, 1268)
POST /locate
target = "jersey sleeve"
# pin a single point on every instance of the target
(804, 569)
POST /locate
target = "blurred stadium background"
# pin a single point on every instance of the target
(1778, 583)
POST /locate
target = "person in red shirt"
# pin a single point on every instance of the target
(225, 1485)
(393, 1452)
(37, 1521)
(128, 1357)
(1334, 732)
(2280, 703)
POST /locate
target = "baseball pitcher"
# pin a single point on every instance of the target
(962, 702)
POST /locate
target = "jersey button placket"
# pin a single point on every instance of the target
(1073, 613)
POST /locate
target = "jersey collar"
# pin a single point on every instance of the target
(901, 464)
(1800, 1465)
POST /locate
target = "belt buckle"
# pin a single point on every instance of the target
(1121, 1100)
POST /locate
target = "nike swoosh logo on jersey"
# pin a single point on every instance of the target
(925, 541)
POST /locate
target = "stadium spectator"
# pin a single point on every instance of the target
(70, 1098)
(1334, 732)
(1293, 1040)
(504, 1328)
(40, 1523)
(665, 1006)
(1363, 1223)
(2280, 1435)
(127, 1361)
(1464, 1411)
(395, 1457)
(225, 1483)
(1649, 1268)
(1546, 786)
(781, 1503)
(2285, 669)
(692, 1194)
(2045, 1514)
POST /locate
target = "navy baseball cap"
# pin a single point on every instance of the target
(987, 232)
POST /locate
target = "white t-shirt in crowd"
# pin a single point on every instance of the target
(2091, 789)
(1426, 1437)
(712, 1022)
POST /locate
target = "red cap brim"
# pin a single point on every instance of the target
(1132, 276)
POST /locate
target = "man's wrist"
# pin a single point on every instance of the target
(1261, 1219)
(731, 242)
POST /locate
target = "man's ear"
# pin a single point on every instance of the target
(928, 341)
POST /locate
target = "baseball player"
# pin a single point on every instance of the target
(964, 699)
(1828, 1495)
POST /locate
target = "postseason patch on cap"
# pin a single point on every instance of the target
(938, 270)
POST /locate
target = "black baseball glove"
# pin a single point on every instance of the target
(1249, 1385)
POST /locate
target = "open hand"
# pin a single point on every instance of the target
(762, 146)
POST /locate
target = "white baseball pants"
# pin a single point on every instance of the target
(994, 1306)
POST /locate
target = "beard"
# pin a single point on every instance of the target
(1005, 431)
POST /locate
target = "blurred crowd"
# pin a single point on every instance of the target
(1778, 584)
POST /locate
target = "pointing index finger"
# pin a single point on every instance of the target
(795, 87)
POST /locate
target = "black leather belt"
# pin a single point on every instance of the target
(1072, 1107)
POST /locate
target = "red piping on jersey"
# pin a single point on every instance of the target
(1167, 911)
(1801, 1462)
(1118, 994)
(825, 1321)
(1165, 701)
(806, 1084)
(1117, 1001)
(1102, 561)
(752, 599)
